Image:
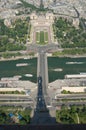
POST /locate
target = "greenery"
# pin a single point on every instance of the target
(42, 37)
(12, 92)
(71, 100)
(72, 115)
(46, 37)
(26, 116)
(14, 38)
(69, 37)
(65, 92)
(37, 36)
(68, 92)
(6, 119)
(9, 55)
(71, 51)
(34, 8)
(26, 4)
(31, 54)
(76, 51)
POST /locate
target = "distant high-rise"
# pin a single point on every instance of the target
(41, 4)
(54, 1)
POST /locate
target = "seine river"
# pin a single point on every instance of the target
(57, 68)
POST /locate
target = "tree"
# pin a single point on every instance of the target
(73, 109)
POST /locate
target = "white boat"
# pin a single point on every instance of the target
(28, 75)
(58, 69)
(74, 62)
(83, 73)
(22, 64)
(17, 76)
(25, 58)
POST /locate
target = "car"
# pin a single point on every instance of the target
(39, 79)
(39, 99)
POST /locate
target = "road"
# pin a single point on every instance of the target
(23, 104)
(68, 103)
(81, 20)
(46, 48)
(43, 71)
(14, 96)
(41, 105)
(16, 100)
(70, 96)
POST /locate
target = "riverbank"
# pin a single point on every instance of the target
(30, 57)
(16, 58)
(12, 58)
(71, 56)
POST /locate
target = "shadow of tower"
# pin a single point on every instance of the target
(41, 113)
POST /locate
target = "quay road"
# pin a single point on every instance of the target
(46, 48)
(16, 100)
(14, 96)
(23, 104)
(70, 96)
(12, 99)
(69, 99)
(68, 103)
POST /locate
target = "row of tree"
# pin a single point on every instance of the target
(13, 38)
(71, 51)
(12, 92)
(68, 35)
(69, 115)
(6, 119)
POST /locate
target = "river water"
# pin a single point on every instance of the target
(58, 67)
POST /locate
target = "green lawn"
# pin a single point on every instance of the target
(46, 36)
(37, 37)
(42, 37)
